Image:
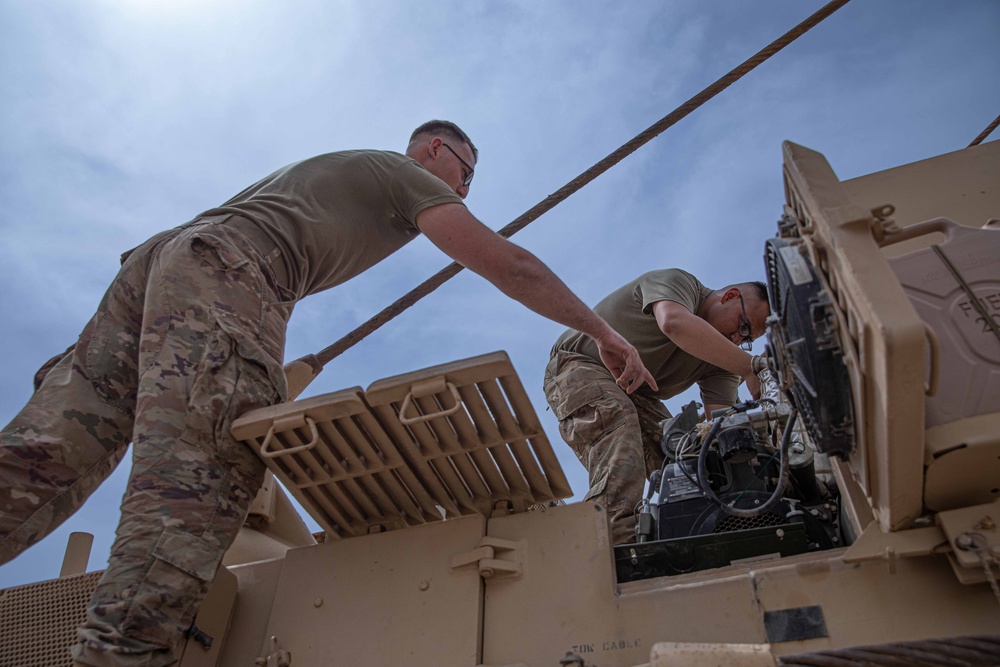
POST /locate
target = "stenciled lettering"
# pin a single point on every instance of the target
(988, 301)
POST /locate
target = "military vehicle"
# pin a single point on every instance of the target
(850, 516)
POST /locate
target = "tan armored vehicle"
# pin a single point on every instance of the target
(848, 517)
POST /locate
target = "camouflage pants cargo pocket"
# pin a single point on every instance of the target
(180, 573)
(603, 426)
(235, 376)
(586, 413)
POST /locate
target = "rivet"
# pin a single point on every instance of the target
(318, 602)
(424, 585)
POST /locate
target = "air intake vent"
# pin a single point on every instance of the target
(38, 622)
(734, 523)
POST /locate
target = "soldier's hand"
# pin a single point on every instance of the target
(624, 362)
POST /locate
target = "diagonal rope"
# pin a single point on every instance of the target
(442, 276)
(985, 133)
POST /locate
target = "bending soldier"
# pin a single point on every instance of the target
(685, 333)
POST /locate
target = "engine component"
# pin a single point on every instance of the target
(677, 427)
(737, 444)
(743, 490)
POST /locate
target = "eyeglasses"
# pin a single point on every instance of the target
(744, 328)
(472, 172)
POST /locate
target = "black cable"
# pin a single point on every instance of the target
(708, 439)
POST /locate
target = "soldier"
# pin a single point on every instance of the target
(191, 334)
(685, 333)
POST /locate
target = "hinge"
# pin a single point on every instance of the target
(494, 558)
(970, 536)
(873, 544)
(264, 507)
(278, 657)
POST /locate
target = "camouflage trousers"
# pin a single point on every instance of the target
(615, 435)
(189, 336)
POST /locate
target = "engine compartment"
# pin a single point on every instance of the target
(744, 486)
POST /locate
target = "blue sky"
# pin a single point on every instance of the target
(119, 118)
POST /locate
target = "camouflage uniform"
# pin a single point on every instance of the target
(189, 335)
(615, 435)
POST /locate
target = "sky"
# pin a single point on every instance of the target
(120, 118)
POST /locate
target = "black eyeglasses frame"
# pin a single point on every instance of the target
(467, 179)
(744, 329)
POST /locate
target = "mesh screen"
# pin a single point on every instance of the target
(38, 622)
(732, 523)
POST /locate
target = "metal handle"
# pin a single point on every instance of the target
(425, 389)
(947, 227)
(287, 424)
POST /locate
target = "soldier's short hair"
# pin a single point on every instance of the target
(758, 288)
(447, 128)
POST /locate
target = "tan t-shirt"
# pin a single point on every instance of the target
(335, 215)
(629, 311)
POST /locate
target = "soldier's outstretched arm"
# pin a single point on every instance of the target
(523, 277)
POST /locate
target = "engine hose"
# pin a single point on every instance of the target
(978, 651)
(706, 486)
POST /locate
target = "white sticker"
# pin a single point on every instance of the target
(798, 268)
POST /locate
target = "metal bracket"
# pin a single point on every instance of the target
(486, 558)
(264, 507)
(882, 222)
(974, 536)
(970, 536)
(873, 544)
